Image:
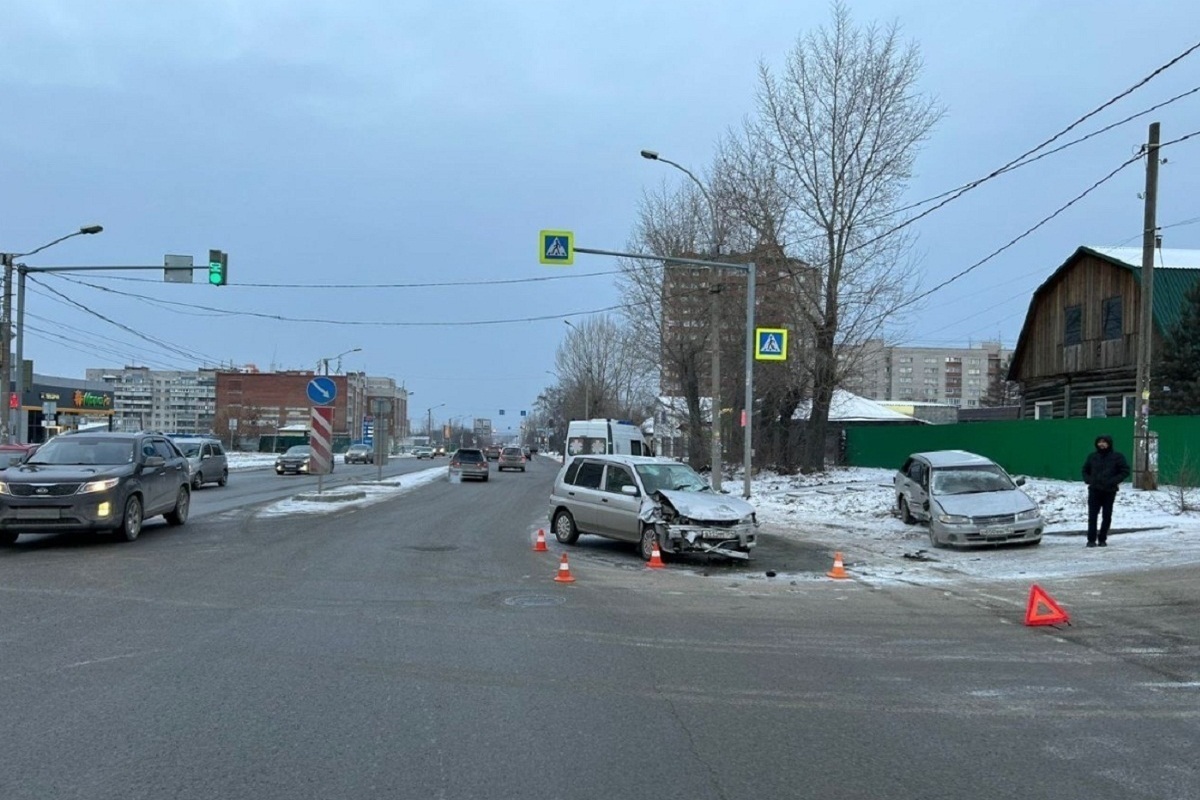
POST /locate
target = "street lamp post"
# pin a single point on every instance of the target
(587, 383)
(429, 424)
(714, 291)
(6, 361)
(338, 358)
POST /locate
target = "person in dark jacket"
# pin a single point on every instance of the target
(1103, 472)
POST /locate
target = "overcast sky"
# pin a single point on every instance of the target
(402, 142)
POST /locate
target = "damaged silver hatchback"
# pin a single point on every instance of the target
(640, 498)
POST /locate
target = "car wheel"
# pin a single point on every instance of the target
(485, 477)
(522, 469)
(183, 501)
(564, 528)
(646, 544)
(224, 479)
(198, 480)
(131, 520)
(8, 537)
(933, 540)
(906, 514)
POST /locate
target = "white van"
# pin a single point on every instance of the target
(606, 437)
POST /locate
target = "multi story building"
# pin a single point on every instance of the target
(172, 401)
(782, 287)
(956, 376)
(253, 404)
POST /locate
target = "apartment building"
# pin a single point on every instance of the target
(956, 376)
(172, 401)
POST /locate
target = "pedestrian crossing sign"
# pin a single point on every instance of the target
(557, 247)
(770, 344)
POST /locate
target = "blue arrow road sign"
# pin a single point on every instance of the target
(322, 390)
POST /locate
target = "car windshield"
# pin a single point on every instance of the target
(298, 450)
(359, 448)
(970, 480)
(68, 451)
(678, 477)
(190, 449)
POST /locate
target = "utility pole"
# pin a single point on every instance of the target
(1144, 474)
(6, 344)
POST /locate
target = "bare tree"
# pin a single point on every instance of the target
(602, 373)
(828, 155)
(671, 222)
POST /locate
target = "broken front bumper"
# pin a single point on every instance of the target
(734, 541)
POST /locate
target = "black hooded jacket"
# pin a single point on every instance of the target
(1105, 469)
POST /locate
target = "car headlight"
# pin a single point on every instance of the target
(746, 520)
(953, 519)
(99, 486)
(1032, 513)
(4, 488)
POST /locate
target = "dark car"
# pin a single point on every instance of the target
(95, 482)
(359, 454)
(297, 460)
(469, 462)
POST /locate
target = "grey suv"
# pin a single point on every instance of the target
(95, 482)
(639, 498)
(206, 460)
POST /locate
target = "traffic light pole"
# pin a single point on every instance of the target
(21, 432)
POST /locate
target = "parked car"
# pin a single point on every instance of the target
(359, 454)
(206, 460)
(297, 460)
(966, 499)
(420, 451)
(511, 458)
(469, 462)
(95, 482)
(492, 452)
(639, 498)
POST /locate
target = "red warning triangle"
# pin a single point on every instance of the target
(1042, 610)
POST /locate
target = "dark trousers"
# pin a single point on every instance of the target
(1100, 503)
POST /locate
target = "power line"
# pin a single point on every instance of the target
(424, 285)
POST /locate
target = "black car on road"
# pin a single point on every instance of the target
(95, 482)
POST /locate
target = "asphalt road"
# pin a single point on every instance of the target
(420, 648)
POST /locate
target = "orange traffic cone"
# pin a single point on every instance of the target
(540, 545)
(655, 561)
(838, 570)
(564, 571)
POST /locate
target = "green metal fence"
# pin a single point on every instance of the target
(1041, 448)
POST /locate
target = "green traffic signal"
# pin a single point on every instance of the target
(218, 263)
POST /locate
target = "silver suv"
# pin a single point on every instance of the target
(639, 498)
(206, 459)
(966, 499)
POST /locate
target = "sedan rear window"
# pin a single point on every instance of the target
(469, 455)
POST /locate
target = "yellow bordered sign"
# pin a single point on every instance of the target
(770, 344)
(556, 248)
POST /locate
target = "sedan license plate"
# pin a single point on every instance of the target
(991, 532)
(37, 513)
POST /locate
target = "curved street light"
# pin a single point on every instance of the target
(338, 358)
(13, 416)
(429, 424)
(714, 322)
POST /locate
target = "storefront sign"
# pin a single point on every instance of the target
(89, 400)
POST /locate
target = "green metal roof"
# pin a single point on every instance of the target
(1179, 271)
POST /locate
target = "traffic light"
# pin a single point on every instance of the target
(218, 267)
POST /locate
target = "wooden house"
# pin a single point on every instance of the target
(1077, 353)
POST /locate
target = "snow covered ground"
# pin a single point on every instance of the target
(852, 510)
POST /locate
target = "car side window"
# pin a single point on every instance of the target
(616, 477)
(589, 474)
(572, 471)
(164, 449)
(916, 471)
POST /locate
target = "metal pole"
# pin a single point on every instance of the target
(715, 324)
(6, 344)
(22, 430)
(1143, 476)
(748, 402)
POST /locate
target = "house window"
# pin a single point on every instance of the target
(1110, 316)
(1097, 407)
(1043, 410)
(1129, 405)
(1072, 325)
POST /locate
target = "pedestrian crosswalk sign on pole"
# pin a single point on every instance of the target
(557, 247)
(770, 344)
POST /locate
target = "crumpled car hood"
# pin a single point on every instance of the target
(707, 507)
(986, 504)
